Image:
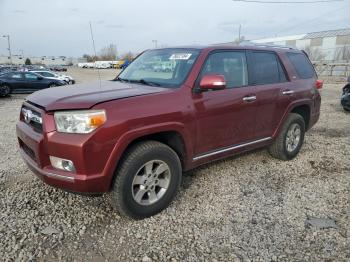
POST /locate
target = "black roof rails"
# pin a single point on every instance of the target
(249, 43)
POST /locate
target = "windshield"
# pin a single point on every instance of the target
(161, 67)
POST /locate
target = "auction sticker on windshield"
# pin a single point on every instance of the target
(180, 56)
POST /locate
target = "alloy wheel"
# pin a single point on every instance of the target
(293, 137)
(151, 182)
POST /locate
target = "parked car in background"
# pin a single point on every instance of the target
(345, 98)
(134, 136)
(52, 75)
(125, 64)
(58, 68)
(25, 82)
(7, 68)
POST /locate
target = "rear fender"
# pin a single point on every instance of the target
(289, 109)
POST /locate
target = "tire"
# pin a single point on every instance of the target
(132, 193)
(52, 85)
(284, 148)
(5, 90)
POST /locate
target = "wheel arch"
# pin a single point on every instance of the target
(174, 138)
(305, 112)
(301, 107)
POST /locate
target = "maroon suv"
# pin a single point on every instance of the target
(169, 111)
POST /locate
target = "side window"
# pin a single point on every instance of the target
(15, 75)
(30, 76)
(302, 65)
(231, 64)
(267, 69)
(46, 74)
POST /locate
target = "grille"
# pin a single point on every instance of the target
(32, 118)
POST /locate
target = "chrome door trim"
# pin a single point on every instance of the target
(219, 151)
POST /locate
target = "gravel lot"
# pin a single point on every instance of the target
(246, 208)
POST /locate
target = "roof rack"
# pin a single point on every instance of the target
(249, 43)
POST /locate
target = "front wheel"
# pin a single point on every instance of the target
(290, 139)
(52, 85)
(147, 180)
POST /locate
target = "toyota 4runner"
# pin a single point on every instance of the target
(135, 135)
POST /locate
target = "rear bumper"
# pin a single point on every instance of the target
(35, 149)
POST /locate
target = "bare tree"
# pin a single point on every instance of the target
(108, 53)
(90, 58)
(127, 56)
(314, 53)
(342, 53)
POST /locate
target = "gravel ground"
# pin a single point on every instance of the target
(245, 208)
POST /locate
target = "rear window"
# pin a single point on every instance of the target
(267, 69)
(302, 65)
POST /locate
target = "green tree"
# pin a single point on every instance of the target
(28, 62)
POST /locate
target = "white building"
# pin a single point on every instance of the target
(45, 60)
(332, 45)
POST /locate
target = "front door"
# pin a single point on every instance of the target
(225, 117)
(33, 81)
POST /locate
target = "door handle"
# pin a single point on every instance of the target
(288, 92)
(249, 98)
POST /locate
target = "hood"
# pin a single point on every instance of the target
(83, 96)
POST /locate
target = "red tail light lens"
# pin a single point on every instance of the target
(319, 84)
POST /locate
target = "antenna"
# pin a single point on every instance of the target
(93, 45)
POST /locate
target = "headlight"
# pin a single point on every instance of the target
(79, 122)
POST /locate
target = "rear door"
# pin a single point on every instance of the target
(15, 79)
(274, 91)
(225, 117)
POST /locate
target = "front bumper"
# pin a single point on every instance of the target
(36, 147)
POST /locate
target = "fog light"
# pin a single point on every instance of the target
(63, 164)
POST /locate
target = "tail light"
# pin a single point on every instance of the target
(319, 84)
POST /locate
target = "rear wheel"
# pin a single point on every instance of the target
(5, 90)
(147, 180)
(289, 141)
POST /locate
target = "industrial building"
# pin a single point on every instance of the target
(325, 46)
(44, 60)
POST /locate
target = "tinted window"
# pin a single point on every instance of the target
(232, 65)
(15, 75)
(302, 65)
(30, 76)
(46, 74)
(267, 69)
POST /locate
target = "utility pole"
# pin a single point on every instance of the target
(239, 33)
(155, 42)
(9, 46)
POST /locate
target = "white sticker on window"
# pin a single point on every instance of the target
(180, 56)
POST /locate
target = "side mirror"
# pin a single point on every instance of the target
(212, 82)
(40, 78)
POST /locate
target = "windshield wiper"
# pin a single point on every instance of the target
(121, 79)
(141, 81)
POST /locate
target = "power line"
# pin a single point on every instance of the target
(313, 19)
(287, 2)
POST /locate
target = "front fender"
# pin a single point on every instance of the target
(128, 137)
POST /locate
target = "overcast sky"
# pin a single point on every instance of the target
(61, 27)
